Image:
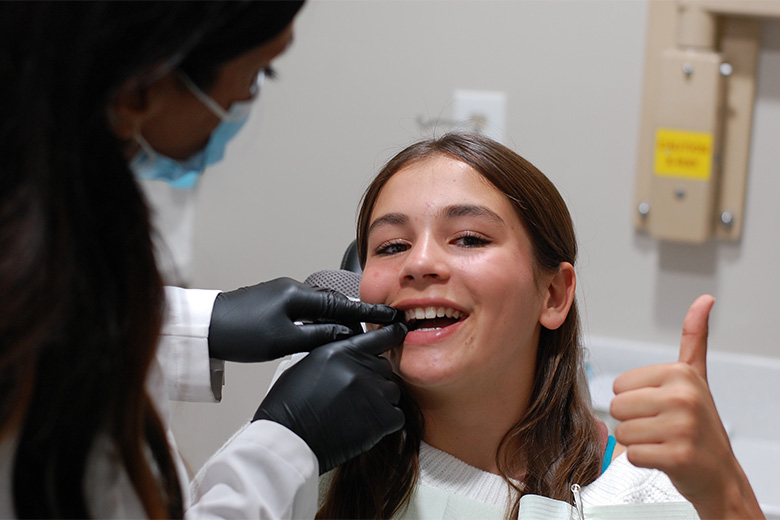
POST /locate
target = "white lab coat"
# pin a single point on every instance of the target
(264, 471)
(173, 213)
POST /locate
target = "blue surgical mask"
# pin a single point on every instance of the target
(184, 174)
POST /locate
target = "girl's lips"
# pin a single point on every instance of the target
(427, 336)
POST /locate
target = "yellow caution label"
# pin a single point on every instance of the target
(680, 153)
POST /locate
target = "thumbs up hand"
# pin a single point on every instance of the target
(669, 422)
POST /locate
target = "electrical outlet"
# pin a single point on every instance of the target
(480, 111)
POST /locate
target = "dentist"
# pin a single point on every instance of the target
(96, 95)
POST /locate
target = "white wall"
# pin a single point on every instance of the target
(350, 90)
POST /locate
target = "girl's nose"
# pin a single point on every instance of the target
(425, 262)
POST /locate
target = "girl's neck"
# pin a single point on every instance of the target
(470, 425)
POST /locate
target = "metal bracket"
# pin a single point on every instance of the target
(705, 29)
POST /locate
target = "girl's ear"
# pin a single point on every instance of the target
(558, 297)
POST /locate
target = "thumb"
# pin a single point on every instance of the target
(693, 345)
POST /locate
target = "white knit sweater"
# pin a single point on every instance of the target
(449, 488)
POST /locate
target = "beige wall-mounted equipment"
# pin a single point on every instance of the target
(697, 110)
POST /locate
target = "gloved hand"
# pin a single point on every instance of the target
(256, 323)
(340, 398)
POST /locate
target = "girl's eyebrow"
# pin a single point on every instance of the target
(388, 219)
(470, 210)
(449, 212)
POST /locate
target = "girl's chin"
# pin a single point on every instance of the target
(424, 375)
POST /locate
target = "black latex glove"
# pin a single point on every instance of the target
(256, 323)
(341, 398)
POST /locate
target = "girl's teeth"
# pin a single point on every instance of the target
(429, 313)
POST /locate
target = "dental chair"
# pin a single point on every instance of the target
(350, 260)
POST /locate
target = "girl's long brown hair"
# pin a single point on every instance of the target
(556, 441)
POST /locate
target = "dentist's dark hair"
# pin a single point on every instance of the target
(81, 297)
(557, 440)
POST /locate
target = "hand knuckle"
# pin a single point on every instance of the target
(685, 398)
(687, 428)
(327, 354)
(683, 455)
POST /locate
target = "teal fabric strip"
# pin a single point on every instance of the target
(608, 454)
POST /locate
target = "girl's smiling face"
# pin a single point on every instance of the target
(449, 249)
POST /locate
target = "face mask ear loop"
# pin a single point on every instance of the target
(145, 145)
(258, 86)
(204, 98)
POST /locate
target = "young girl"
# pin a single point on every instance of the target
(477, 247)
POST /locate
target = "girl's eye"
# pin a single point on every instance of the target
(390, 248)
(471, 239)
